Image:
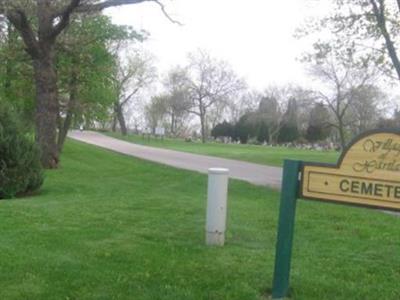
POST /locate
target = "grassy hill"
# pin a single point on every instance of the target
(108, 226)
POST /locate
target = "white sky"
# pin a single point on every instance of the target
(254, 36)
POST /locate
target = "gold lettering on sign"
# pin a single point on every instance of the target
(383, 150)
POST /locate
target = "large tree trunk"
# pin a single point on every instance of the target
(46, 108)
(121, 119)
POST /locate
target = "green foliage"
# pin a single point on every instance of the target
(252, 126)
(315, 133)
(224, 129)
(288, 132)
(16, 75)
(245, 128)
(85, 58)
(262, 132)
(84, 50)
(318, 127)
(20, 168)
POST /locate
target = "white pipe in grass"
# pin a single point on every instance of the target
(216, 206)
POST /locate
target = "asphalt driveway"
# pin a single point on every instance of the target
(250, 172)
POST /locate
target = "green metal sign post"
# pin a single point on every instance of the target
(287, 212)
(365, 175)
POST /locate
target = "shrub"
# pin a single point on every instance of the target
(317, 133)
(223, 129)
(246, 128)
(288, 133)
(20, 168)
(263, 132)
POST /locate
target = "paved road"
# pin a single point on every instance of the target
(253, 173)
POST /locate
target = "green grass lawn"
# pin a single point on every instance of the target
(108, 226)
(272, 156)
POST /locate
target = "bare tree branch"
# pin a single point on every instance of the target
(106, 4)
(18, 18)
(379, 13)
(168, 16)
(127, 98)
(64, 16)
(113, 3)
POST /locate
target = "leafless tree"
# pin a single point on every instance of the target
(344, 81)
(306, 99)
(210, 82)
(272, 109)
(368, 106)
(177, 100)
(155, 112)
(245, 102)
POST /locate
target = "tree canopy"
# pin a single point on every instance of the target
(39, 24)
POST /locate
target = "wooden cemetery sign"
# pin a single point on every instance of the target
(367, 174)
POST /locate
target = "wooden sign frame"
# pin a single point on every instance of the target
(357, 156)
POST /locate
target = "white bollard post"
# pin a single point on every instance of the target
(216, 206)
